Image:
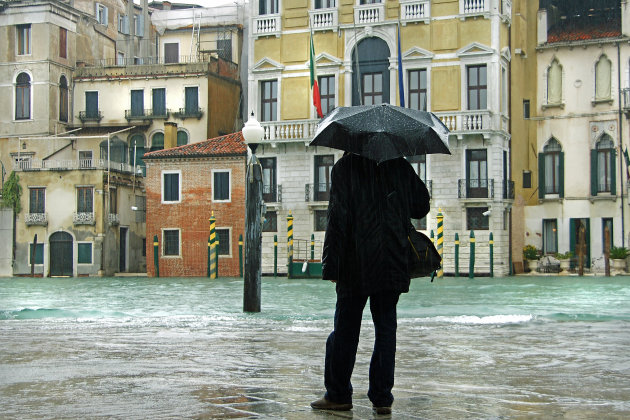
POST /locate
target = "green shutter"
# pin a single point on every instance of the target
(561, 170)
(572, 234)
(613, 172)
(541, 175)
(594, 188)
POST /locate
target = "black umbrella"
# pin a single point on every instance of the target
(382, 132)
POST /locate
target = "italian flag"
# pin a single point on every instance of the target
(314, 86)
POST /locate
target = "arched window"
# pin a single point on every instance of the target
(157, 142)
(373, 81)
(63, 99)
(603, 166)
(182, 138)
(136, 150)
(602, 79)
(554, 83)
(117, 150)
(23, 97)
(551, 169)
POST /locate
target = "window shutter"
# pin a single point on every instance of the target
(105, 10)
(96, 10)
(561, 170)
(541, 175)
(140, 25)
(594, 187)
(613, 172)
(126, 25)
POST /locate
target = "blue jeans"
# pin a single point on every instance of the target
(341, 348)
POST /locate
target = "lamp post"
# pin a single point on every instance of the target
(253, 134)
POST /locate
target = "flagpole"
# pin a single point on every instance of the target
(401, 86)
(356, 60)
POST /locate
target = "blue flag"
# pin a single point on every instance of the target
(401, 86)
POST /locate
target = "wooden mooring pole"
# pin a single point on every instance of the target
(253, 236)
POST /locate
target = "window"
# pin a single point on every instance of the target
(23, 97)
(91, 104)
(550, 169)
(138, 21)
(113, 200)
(476, 173)
(324, 4)
(550, 236)
(475, 220)
(137, 103)
(270, 224)
(504, 90)
(120, 58)
(224, 45)
(525, 108)
(191, 94)
(607, 222)
(477, 82)
(182, 138)
(269, 179)
(136, 150)
(554, 83)
(327, 93)
(321, 220)
(171, 52)
(269, 100)
(23, 33)
(370, 1)
(101, 13)
(157, 141)
(63, 99)
(223, 236)
(63, 43)
(527, 179)
(372, 88)
(85, 199)
(602, 79)
(170, 242)
(37, 200)
(123, 24)
(36, 257)
(603, 166)
(267, 7)
(85, 159)
(84, 249)
(419, 164)
(417, 82)
(159, 101)
(221, 186)
(323, 170)
(171, 185)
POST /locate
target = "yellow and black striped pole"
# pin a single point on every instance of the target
(440, 240)
(289, 243)
(491, 255)
(240, 255)
(156, 252)
(456, 254)
(213, 247)
(471, 262)
(275, 255)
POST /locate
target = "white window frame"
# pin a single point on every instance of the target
(597, 100)
(229, 171)
(100, 13)
(546, 103)
(179, 173)
(259, 90)
(30, 75)
(229, 229)
(92, 256)
(43, 254)
(76, 198)
(179, 247)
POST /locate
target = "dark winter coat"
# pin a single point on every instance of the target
(366, 246)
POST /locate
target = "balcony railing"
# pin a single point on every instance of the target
(146, 114)
(324, 19)
(85, 116)
(508, 190)
(184, 113)
(366, 14)
(474, 7)
(266, 25)
(475, 188)
(316, 192)
(289, 131)
(36, 219)
(415, 11)
(626, 99)
(506, 8)
(272, 193)
(69, 165)
(113, 219)
(83, 218)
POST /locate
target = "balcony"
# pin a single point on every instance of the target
(83, 218)
(36, 219)
(474, 7)
(317, 192)
(289, 131)
(266, 25)
(70, 165)
(184, 113)
(367, 14)
(475, 188)
(473, 122)
(113, 219)
(415, 11)
(90, 116)
(272, 193)
(626, 100)
(324, 19)
(508, 189)
(146, 114)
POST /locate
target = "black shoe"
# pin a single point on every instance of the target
(324, 404)
(382, 410)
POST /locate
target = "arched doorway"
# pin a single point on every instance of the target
(372, 76)
(61, 254)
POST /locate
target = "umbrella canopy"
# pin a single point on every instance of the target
(382, 132)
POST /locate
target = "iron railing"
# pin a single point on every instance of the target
(272, 193)
(475, 188)
(36, 219)
(131, 114)
(83, 218)
(317, 192)
(90, 116)
(113, 219)
(189, 113)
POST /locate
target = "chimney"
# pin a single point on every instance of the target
(170, 135)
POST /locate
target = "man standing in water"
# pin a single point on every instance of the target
(365, 254)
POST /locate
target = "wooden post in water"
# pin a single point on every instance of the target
(581, 250)
(240, 255)
(33, 255)
(253, 236)
(456, 254)
(607, 250)
(156, 259)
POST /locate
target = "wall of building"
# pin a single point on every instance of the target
(6, 245)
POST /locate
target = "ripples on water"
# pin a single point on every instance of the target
(142, 347)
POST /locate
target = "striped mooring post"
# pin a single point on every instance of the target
(289, 242)
(312, 246)
(471, 262)
(432, 237)
(275, 255)
(156, 256)
(491, 255)
(209, 257)
(456, 254)
(213, 247)
(240, 255)
(440, 240)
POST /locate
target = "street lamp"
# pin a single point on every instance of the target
(253, 134)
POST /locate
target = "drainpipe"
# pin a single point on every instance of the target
(623, 220)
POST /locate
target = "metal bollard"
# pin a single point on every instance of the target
(312, 246)
(213, 248)
(440, 240)
(456, 255)
(491, 255)
(156, 259)
(471, 262)
(289, 243)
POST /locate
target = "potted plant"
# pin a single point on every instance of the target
(565, 259)
(530, 253)
(618, 257)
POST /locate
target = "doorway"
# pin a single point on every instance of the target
(61, 254)
(122, 249)
(574, 228)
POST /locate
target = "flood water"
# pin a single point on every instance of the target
(136, 348)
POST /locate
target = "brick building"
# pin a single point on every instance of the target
(185, 186)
